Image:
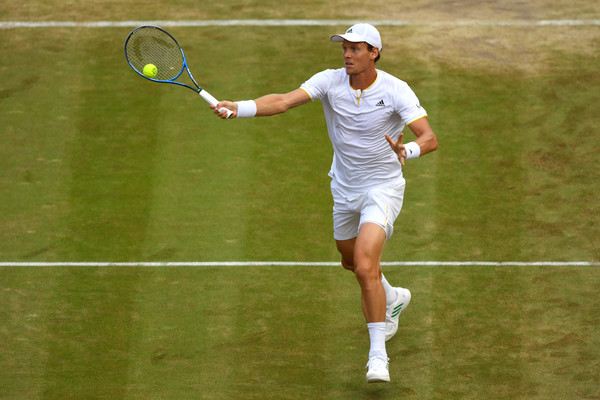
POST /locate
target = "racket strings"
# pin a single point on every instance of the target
(149, 45)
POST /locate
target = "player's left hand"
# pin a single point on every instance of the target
(397, 147)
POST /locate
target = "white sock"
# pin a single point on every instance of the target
(390, 292)
(377, 336)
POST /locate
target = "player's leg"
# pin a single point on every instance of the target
(367, 255)
(362, 255)
(346, 221)
(382, 207)
(390, 293)
(346, 249)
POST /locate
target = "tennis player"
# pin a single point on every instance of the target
(366, 110)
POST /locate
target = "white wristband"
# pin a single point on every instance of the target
(246, 109)
(412, 150)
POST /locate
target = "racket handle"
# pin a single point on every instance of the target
(211, 100)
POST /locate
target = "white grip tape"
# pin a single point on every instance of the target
(208, 97)
(211, 100)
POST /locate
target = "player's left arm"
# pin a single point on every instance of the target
(426, 141)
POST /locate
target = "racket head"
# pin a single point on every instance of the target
(153, 45)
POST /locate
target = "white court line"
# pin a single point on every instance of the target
(292, 22)
(294, 263)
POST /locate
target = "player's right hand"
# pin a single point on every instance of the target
(221, 109)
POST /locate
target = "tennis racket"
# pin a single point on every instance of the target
(153, 45)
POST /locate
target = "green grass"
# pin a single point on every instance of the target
(290, 333)
(100, 165)
(120, 169)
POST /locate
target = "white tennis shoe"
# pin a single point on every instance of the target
(393, 311)
(378, 369)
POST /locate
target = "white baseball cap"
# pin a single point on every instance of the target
(361, 33)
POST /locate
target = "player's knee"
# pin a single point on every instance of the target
(367, 274)
(347, 264)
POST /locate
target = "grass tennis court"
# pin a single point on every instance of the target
(97, 164)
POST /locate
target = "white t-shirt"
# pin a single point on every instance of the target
(357, 123)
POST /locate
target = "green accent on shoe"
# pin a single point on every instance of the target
(397, 310)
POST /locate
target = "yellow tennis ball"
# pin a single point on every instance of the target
(150, 70)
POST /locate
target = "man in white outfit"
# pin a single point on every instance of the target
(366, 110)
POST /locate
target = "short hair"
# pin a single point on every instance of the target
(370, 48)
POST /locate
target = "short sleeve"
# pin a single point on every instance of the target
(318, 85)
(407, 104)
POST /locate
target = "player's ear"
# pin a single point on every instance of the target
(374, 53)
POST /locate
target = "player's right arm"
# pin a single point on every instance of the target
(270, 104)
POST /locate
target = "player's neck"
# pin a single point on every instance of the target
(363, 80)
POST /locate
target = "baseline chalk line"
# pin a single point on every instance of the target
(294, 22)
(295, 263)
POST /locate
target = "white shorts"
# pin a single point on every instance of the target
(380, 206)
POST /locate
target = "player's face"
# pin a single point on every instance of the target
(357, 57)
